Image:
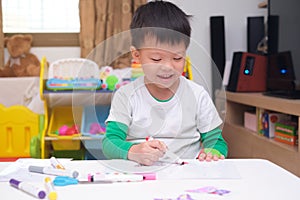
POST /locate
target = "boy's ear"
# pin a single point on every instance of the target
(135, 54)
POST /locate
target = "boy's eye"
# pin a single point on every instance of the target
(156, 59)
(178, 58)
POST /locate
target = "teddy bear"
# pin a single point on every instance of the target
(21, 62)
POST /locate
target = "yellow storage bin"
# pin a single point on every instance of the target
(64, 116)
(18, 125)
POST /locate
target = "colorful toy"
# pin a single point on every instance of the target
(113, 79)
(114, 83)
(66, 130)
(73, 74)
(105, 72)
(135, 64)
(187, 71)
(111, 82)
(136, 70)
(73, 83)
(96, 128)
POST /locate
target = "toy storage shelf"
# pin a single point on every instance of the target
(245, 143)
(66, 107)
(81, 138)
(76, 91)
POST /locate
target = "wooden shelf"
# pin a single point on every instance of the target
(241, 129)
(289, 106)
(244, 143)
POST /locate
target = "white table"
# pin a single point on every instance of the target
(257, 179)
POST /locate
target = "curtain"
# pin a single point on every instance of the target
(1, 38)
(104, 30)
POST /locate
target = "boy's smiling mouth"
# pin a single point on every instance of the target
(165, 76)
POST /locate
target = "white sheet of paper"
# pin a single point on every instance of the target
(166, 171)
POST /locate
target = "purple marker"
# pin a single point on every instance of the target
(28, 188)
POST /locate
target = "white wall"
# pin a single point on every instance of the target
(235, 12)
(52, 53)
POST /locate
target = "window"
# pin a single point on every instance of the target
(40, 16)
(51, 22)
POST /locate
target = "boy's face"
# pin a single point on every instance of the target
(162, 63)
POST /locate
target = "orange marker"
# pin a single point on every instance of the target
(56, 164)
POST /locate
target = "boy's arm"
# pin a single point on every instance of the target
(214, 140)
(114, 144)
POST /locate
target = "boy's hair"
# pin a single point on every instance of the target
(162, 20)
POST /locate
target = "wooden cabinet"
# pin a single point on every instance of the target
(244, 143)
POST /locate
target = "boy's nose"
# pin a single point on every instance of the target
(167, 65)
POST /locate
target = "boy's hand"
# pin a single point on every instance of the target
(209, 154)
(147, 153)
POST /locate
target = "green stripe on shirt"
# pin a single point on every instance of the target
(115, 146)
(213, 139)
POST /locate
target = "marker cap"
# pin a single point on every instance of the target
(148, 176)
(42, 194)
(15, 183)
(36, 169)
(75, 174)
(52, 195)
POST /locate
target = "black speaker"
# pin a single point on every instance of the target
(273, 34)
(217, 41)
(217, 50)
(248, 73)
(234, 72)
(281, 74)
(255, 33)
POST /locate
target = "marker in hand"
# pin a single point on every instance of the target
(170, 154)
(174, 157)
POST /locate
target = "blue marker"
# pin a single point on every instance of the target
(28, 188)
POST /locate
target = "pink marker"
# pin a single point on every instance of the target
(148, 176)
(170, 154)
(115, 177)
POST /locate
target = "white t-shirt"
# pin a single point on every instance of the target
(178, 122)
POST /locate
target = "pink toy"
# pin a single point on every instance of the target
(96, 128)
(121, 83)
(65, 130)
(62, 130)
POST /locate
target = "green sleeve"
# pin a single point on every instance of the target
(213, 139)
(114, 144)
